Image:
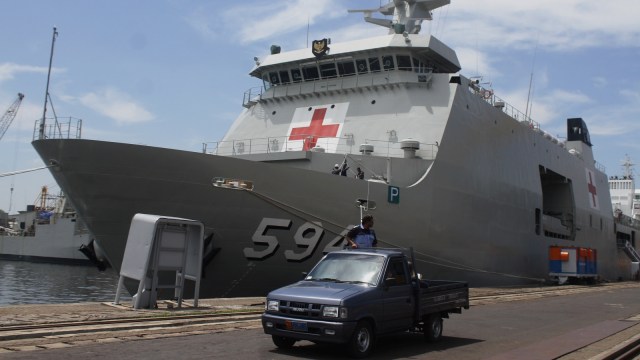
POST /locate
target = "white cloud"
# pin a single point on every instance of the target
(476, 63)
(616, 120)
(266, 21)
(9, 70)
(566, 97)
(559, 25)
(116, 105)
(199, 21)
(633, 96)
(599, 81)
(29, 112)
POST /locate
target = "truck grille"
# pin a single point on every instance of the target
(300, 309)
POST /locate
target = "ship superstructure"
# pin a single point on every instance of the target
(624, 197)
(473, 185)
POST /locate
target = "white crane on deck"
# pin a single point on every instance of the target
(9, 115)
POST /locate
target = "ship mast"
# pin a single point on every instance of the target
(46, 94)
(627, 165)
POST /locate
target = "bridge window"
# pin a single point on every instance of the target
(310, 72)
(273, 78)
(284, 77)
(328, 70)
(296, 75)
(361, 65)
(404, 63)
(421, 67)
(266, 81)
(346, 68)
(374, 64)
(387, 62)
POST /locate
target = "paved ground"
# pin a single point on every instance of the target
(576, 323)
(42, 314)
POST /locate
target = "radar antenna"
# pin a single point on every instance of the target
(407, 14)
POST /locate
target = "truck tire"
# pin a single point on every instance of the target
(283, 342)
(433, 328)
(361, 341)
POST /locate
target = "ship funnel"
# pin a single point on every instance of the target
(409, 146)
(366, 149)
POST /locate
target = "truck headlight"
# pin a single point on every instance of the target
(273, 305)
(334, 312)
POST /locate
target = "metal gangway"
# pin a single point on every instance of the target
(160, 248)
(631, 252)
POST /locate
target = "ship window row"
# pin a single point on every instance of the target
(620, 186)
(342, 67)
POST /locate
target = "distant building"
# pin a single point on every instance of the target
(4, 219)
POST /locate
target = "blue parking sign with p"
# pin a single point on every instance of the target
(393, 195)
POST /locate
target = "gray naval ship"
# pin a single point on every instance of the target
(478, 190)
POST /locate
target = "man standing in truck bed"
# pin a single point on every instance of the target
(362, 236)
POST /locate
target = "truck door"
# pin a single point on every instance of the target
(397, 297)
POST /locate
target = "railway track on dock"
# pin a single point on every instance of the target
(65, 334)
(30, 336)
(482, 296)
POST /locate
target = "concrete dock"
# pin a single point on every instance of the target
(60, 331)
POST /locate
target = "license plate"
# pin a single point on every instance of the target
(296, 325)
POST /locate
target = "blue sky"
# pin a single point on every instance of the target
(172, 73)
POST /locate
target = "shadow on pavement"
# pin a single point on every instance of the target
(388, 347)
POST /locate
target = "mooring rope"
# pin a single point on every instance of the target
(437, 261)
(25, 171)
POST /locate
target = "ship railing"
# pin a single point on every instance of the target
(626, 220)
(488, 96)
(58, 128)
(491, 98)
(252, 96)
(337, 145)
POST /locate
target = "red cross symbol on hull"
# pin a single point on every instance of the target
(592, 191)
(310, 134)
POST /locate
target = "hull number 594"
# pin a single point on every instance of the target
(307, 238)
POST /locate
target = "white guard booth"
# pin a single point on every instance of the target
(161, 244)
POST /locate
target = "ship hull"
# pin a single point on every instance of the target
(470, 217)
(55, 242)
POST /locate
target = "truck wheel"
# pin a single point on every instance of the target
(361, 341)
(283, 342)
(433, 328)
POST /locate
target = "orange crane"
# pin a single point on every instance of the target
(9, 115)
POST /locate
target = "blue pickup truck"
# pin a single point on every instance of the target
(353, 296)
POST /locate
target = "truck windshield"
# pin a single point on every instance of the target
(357, 268)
